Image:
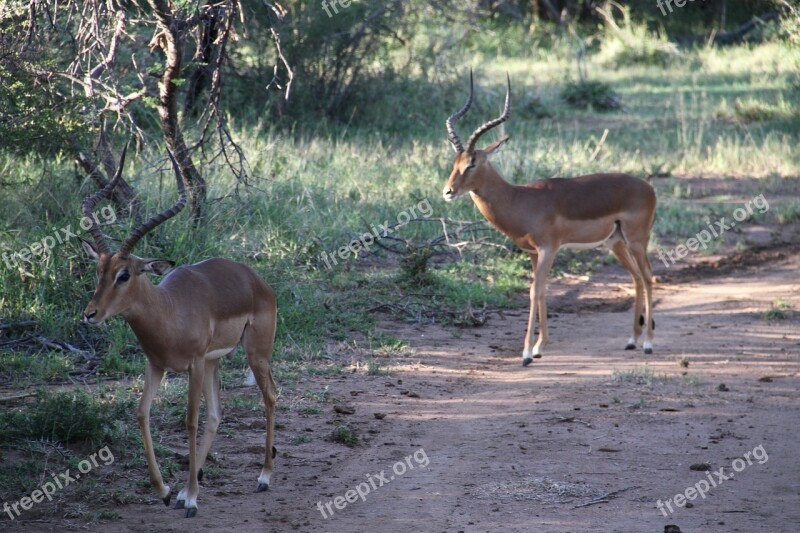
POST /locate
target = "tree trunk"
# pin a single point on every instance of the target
(170, 39)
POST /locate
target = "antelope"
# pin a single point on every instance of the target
(584, 212)
(196, 315)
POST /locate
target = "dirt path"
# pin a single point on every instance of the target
(484, 444)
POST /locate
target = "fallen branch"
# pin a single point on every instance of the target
(605, 498)
(16, 397)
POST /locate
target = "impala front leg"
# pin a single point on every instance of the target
(213, 417)
(152, 380)
(543, 262)
(196, 378)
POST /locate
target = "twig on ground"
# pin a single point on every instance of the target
(605, 498)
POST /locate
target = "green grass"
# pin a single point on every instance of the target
(21, 369)
(644, 375)
(344, 435)
(780, 310)
(374, 368)
(303, 438)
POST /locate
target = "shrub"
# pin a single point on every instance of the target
(633, 44)
(598, 95)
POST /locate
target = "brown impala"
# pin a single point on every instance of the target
(584, 212)
(196, 315)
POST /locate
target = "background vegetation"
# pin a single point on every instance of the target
(343, 133)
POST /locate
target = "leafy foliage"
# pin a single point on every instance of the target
(591, 93)
(631, 43)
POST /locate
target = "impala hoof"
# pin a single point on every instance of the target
(180, 504)
(262, 487)
(166, 499)
(527, 361)
(191, 512)
(648, 351)
(630, 346)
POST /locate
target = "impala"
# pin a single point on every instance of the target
(583, 212)
(196, 315)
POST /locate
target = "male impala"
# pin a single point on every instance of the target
(188, 322)
(584, 212)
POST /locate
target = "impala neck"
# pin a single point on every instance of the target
(495, 198)
(149, 315)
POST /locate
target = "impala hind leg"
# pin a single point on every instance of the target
(623, 255)
(213, 417)
(259, 339)
(152, 381)
(639, 252)
(543, 262)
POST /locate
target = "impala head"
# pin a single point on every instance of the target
(120, 274)
(471, 164)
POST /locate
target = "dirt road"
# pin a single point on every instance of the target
(589, 438)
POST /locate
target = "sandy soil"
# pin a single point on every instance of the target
(588, 438)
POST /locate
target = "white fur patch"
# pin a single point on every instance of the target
(589, 245)
(216, 354)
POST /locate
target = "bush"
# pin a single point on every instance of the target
(66, 417)
(591, 93)
(633, 44)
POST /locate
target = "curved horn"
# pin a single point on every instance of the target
(492, 123)
(163, 216)
(456, 142)
(90, 201)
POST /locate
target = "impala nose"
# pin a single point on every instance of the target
(89, 317)
(448, 195)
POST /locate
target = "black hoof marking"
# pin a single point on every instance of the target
(166, 499)
(630, 346)
(526, 362)
(274, 452)
(262, 487)
(648, 351)
(200, 475)
(537, 356)
(191, 512)
(180, 504)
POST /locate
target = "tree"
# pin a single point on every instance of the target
(106, 74)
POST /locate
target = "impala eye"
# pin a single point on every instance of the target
(470, 166)
(123, 276)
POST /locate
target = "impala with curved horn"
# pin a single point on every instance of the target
(196, 315)
(617, 210)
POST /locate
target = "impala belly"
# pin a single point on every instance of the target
(216, 354)
(225, 336)
(590, 245)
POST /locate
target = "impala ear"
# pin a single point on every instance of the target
(157, 266)
(90, 250)
(495, 146)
